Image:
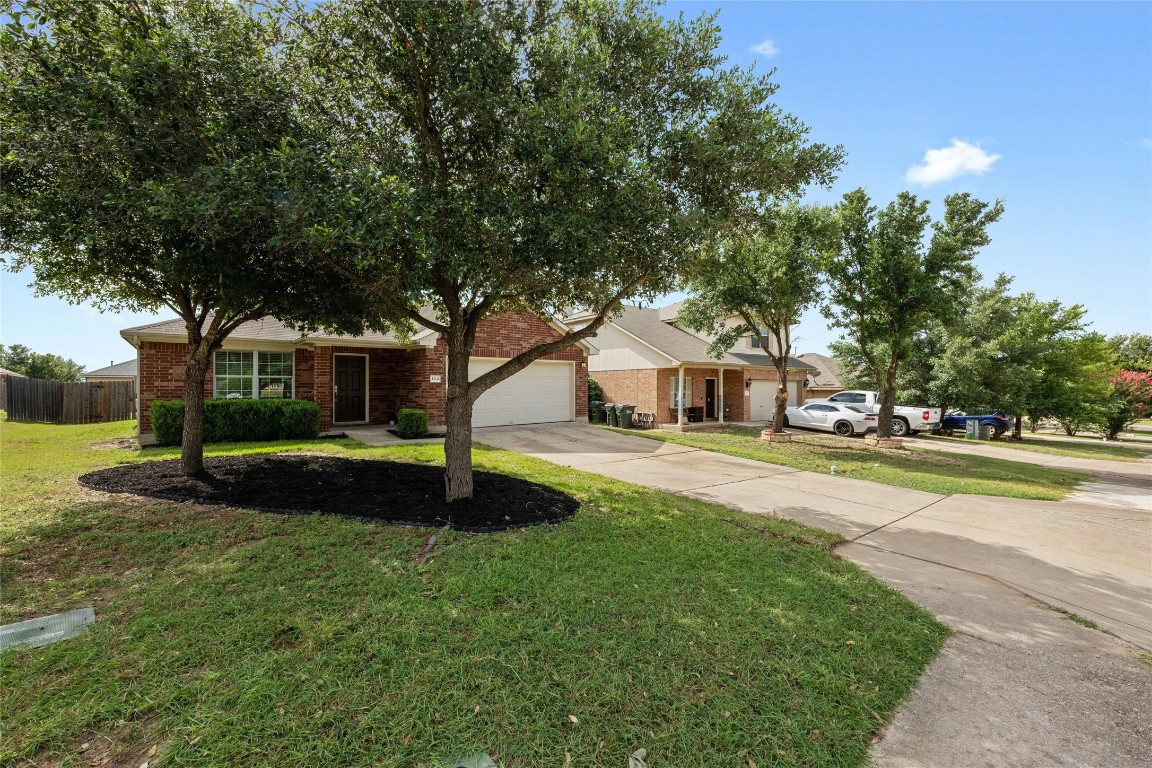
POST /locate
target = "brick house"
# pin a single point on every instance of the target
(367, 379)
(644, 356)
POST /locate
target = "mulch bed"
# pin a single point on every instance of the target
(378, 491)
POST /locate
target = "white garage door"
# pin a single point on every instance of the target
(542, 392)
(763, 398)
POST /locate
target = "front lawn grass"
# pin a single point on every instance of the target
(231, 637)
(936, 473)
(1087, 450)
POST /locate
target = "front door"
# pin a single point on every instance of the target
(351, 399)
(709, 398)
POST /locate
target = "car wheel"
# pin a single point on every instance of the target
(899, 427)
(843, 428)
(785, 422)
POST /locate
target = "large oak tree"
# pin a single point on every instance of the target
(488, 157)
(890, 280)
(140, 169)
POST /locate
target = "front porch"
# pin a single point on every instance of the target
(367, 386)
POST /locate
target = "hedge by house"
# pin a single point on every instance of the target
(235, 421)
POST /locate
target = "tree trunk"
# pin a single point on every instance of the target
(458, 424)
(887, 404)
(192, 440)
(1018, 427)
(781, 397)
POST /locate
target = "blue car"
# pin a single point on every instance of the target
(957, 421)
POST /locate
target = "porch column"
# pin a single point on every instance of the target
(680, 398)
(721, 395)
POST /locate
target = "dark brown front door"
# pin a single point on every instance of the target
(709, 398)
(348, 371)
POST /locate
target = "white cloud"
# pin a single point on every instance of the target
(1146, 143)
(766, 47)
(957, 160)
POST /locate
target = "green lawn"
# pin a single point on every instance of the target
(230, 637)
(936, 473)
(1086, 450)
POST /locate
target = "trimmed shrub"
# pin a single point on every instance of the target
(167, 421)
(411, 423)
(235, 421)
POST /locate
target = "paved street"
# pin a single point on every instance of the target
(1019, 684)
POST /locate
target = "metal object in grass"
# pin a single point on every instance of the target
(47, 629)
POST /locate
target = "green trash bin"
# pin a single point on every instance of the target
(596, 411)
(610, 415)
(985, 431)
(624, 415)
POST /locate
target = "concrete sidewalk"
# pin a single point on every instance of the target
(1020, 684)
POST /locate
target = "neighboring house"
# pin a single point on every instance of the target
(367, 379)
(644, 356)
(824, 381)
(125, 371)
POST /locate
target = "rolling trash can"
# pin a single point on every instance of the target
(972, 429)
(596, 411)
(624, 415)
(985, 431)
(610, 415)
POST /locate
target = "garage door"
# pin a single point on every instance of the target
(542, 392)
(763, 398)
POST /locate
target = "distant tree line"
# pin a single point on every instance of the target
(39, 365)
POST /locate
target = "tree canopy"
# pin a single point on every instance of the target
(141, 168)
(39, 365)
(890, 280)
(490, 157)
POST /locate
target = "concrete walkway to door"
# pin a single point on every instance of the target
(1019, 684)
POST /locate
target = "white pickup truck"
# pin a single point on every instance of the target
(906, 420)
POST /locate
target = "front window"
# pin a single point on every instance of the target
(674, 394)
(244, 375)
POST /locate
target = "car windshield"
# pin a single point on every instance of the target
(854, 408)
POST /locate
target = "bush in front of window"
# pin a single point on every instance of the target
(411, 423)
(237, 421)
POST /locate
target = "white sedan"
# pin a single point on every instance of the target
(842, 419)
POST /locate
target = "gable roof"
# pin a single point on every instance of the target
(651, 327)
(271, 329)
(826, 373)
(126, 368)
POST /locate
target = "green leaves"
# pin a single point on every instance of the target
(890, 280)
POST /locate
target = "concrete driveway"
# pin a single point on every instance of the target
(1019, 684)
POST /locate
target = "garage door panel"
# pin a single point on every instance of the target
(541, 393)
(762, 396)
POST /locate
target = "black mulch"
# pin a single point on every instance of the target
(379, 491)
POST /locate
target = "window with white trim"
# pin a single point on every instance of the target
(673, 391)
(247, 375)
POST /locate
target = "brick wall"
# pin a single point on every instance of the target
(650, 391)
(161, 376)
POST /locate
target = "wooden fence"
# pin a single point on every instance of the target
(67, 402)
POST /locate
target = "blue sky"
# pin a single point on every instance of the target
(1047, 106)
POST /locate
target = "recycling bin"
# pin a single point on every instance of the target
(972, 429)
(610, 415)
